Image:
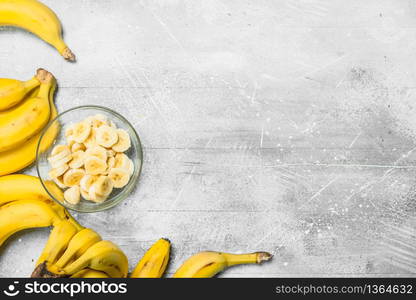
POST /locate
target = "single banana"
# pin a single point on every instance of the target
(16, 159)
(89, 273)
(58, 241)
(80, 243)
(20, 123)
(37, 18)
(12, 91)
(103, 256)
(208, 264)
(20, 187)
(23, 214)
(154, 262)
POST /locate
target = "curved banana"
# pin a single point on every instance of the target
(89, 273)
(58, 241)
(20, 187)
(103, 256)
(16, 159)
(20, 123)
(154, 262)
(208, 264)
(37, 18)
(80, 243)
(14, 91)
(24, 214)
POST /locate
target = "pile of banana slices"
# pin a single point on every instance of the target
(92, 162)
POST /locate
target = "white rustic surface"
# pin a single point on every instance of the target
(286, 126)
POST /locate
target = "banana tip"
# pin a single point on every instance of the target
(68, 55)
(263, 256)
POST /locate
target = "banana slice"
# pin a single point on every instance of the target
(77, 159)
(85, 194)
(120, 177)
(70, 130)
(112, 124)
(122, 161)
(73, 177)
(103, 186)
(61, 150)
(72, 195)
(92, 194)
(91, 141)
(106, 136)
(94, 165)
(59, 182)
(77, 146)
(123, 143)
(97, 151)
(56, 172)
(98, 120)
(81, 131)
(87, 181)
(55, 163)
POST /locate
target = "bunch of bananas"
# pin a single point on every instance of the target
(36, 18)
(25, 109)
(78, 252)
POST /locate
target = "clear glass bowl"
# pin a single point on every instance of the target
(57, 128)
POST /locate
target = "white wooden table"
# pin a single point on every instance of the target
(285, 126)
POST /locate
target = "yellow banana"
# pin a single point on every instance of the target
(80, 243)
(37, 18)
(20, 123)
(154, 262)
(12, 91)
(58, 241)
(16, 159)
(208, 264)
(102, 256)
(88, 273)
(24, 214)
(20, 187)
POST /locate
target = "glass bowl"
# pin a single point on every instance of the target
(57, 128)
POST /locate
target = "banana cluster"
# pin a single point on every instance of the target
(26, 107)
(92, 162)
(36, 18)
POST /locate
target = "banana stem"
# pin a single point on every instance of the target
(249, 258)
(31, 83)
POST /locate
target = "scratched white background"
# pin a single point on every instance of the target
(286, 126)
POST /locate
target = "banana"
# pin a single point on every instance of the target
(208, 264)
(123, 142)
(102, 256)
(96, 151)
(16, 159)
(23, 214)
(20, 123)
(81, 131)
(20, 187)
(88, 273)
(37, 18)
(57, 242)
(154, 262)
(94, 165)
(106, 136)
(77, 246)
(87, 181)
(12, 91)
(98, 120)
(77, 159)
(72, 195)
(73, 177)
(119, 176)
(103, 186)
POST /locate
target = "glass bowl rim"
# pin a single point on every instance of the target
(102, 108)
